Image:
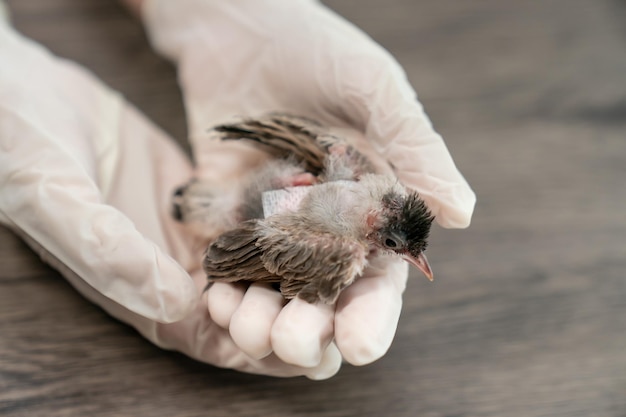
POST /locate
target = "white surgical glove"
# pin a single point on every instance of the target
(248, 57)
(86, 181)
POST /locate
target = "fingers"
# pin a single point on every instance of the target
(260, 323)
(48, 195)
(251, 324)
(368, 311)
(198, 337)
(380, 100)
(245, 344)
(302, 332)
(363, 324)
(299, 334)
(223, 300)
(328, 366)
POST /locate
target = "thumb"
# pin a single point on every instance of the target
(378, 98)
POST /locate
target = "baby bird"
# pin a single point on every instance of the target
(320, 243)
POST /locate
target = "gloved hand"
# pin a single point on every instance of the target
(249, 57)
(86, 181)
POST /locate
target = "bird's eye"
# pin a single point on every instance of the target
(390, 243)
(393, 241)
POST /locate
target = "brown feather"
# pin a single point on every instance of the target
(235, 255)
(282, 137)
(312, 265)
(299, 139)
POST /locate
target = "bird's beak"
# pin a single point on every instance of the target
(421, 263)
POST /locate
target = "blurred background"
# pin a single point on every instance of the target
(527, 316)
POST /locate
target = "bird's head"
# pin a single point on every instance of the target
(401, 226)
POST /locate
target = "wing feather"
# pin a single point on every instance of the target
(234, 256)
(284, 136)
(312, 265)
(303, 141)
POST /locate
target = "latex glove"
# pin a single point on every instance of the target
(248, 57)
(86, 181)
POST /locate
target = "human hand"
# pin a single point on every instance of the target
(245, 58)
(86, 181)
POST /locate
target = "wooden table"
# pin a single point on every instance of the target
(527, 316)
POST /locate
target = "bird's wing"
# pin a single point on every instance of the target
(297, 138)
(283, 137)
(235, 256)
(313, 265)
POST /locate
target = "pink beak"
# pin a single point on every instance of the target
(421, 263)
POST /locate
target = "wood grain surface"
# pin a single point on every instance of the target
(527, 316)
